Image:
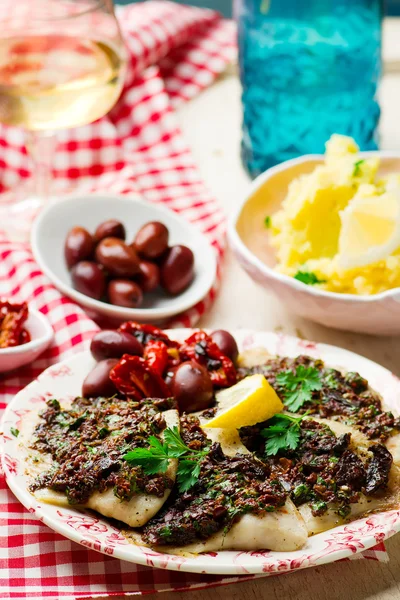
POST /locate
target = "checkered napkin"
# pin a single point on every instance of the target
(175, 52)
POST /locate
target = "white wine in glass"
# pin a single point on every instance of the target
(53, 82)
(62, 65)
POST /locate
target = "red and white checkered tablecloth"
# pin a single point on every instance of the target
(175, 52)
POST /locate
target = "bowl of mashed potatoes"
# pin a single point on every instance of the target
(323, 233)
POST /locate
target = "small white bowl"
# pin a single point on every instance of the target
(378, 314)
(54, 222)
(41, 334)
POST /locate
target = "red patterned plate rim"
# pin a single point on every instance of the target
(92, 531)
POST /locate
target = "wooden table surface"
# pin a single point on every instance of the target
(211, 124)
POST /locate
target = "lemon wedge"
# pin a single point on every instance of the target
(250, 401)
(370, 229)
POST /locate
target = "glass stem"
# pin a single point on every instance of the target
(41, 146)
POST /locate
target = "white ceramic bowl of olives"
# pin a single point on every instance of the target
(122, 257)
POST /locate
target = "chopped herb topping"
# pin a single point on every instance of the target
(357, 170)
(88, 442)
(308, 277)
(14, 431)
(267, 222)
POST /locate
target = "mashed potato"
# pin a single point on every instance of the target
(305, 232)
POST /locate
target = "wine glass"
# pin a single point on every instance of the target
(62, 65)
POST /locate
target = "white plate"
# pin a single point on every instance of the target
(54, 222)
(91, 530)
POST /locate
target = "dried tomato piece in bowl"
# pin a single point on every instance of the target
(12, 320)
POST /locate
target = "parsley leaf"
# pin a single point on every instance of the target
(176, 446)
(267, 222)
(357, 170)
(150, 463)
(188, 474)
(282, 434)
(298, 387)
(14, 431)
(308, 277)
(155, 459)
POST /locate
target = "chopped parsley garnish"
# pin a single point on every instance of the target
(155, 458)
(78, 422)
(53, 403)
(298, 387)
(103, 432)
(344, 511)
(357, 165)
(308, 277)
(283, 433)
(330, 379)
(267, 222)
(318, 507)
(300, 493)
(14, 431)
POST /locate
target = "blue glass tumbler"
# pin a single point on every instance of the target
(309, 68)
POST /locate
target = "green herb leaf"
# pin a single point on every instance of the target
(281, 439)
(53, 403)
(14, 431)
(176, 446)
(157, 447)
(267, 222)
(330, 380)
(155, 459)
(151, 463)
(78, 422)
(357, 171)
(298, 387)
(283, 433)
(300, 492)
(308, 277)
(188, 474)
(103, 432)
(283, 420)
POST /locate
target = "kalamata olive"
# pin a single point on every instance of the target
(169, 376)
(79, 245)
(151, 240)
(149, 276)
(88, 278)
(177, 269)
(110, 228)
(114, 344)
(98, 382)
(119, 259)
(192, 387)
(226, 343)
(123, 292)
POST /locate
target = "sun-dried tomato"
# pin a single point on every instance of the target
(156, 355)
(201, 348)
(136, 378)
(25, 337)
(147, 333)
(12, 319)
